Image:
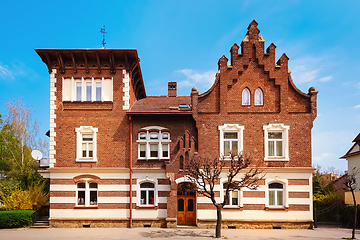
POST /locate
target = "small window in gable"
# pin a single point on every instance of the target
(246, 97)
(259, 98)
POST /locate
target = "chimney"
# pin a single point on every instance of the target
(172, 88)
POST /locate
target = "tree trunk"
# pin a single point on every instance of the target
(218, 222)
(355, 216)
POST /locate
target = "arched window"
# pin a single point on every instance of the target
(276, 195)
(233, 197)
(147, 194)
(259, 97)
(246, 97)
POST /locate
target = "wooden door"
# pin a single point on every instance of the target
(186, 214)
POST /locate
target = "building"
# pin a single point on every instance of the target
(353, 158)
(117, 156)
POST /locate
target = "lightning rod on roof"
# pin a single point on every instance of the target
(102, 30)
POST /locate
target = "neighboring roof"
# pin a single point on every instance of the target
(355, 149)
(162, 105)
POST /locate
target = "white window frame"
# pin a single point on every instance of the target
(231, 128)
(79, 133)
(246, 95)
(259, 95)
(239, 197)
(87, 190)
(147, 192)
(277, 127)
(70, 89)
(285, 193)
(159, 142)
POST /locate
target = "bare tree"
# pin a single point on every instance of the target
(350, 185)
(205, 173)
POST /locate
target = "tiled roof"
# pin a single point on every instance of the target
(162, 105)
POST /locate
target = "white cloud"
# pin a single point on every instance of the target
(325, 79)
(357, 106)
(328, 147)
(309, 69)
(16, 69)
(202, 80)
(5, 73)
(324, 156)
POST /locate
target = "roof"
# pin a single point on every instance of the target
(162, 105)
(355, 149)
(111, 60)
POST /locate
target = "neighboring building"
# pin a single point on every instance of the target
(353, 158)
(113, 148)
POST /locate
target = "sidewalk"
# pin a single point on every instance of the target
(174, 234)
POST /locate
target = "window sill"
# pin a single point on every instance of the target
(86, 160)
(147, 207)
(88, 105)
(279, 159)
(86, 207)
(232, 208)
(276, 209)
(153, 159)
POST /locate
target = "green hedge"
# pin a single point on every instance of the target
(16, 218)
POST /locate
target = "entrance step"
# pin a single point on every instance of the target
(186, 227)
(41, 223)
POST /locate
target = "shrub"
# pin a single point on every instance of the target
(33, 198)
(16, 218)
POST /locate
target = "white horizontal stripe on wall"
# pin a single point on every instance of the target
(253, 200)
(299, 201)
(102, 175)
(63, 200)
(113, 187)
(207, 200)
(162, 199)
(298, 188)
(63, 187)
(149, 214)
(163, 187)
(89, 213)
(113, 200)
(256, 214)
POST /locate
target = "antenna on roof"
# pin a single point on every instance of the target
(102, 30)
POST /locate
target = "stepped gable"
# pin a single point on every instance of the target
(255, 68)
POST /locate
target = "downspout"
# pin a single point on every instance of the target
(131, 130)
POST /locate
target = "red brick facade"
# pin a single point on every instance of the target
(192, 122)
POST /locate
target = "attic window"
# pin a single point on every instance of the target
(173, 108)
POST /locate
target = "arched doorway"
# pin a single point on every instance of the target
(186, 204)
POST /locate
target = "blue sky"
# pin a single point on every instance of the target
(183, 41)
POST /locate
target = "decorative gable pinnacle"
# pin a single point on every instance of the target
(253, 31)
